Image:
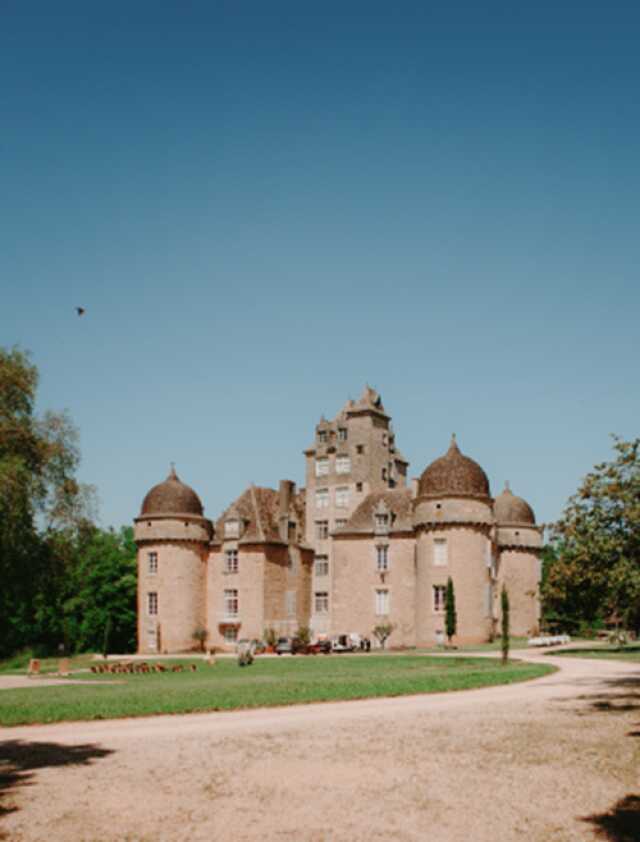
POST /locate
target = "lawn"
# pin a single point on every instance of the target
(627, 653)
(268, 682)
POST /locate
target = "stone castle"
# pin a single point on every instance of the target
(357, 547)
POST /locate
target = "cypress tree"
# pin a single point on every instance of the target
(451, 618)
(504, 601)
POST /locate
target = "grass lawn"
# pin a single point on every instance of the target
(270, 681)
(627, 653)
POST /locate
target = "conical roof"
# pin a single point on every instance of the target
(171, 497)
(511, 509)
(454, 473)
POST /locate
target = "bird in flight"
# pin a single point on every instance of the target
(80, 311)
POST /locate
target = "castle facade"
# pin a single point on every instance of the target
(358, 547)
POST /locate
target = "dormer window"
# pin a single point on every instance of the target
(232, 528)
(323, 436)
(381, 519)
(342, 433)
(382, 523)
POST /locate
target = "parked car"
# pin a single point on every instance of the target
(320, 647)
(284, 646)
(342, 643)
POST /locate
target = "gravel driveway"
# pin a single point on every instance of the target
(550, 760)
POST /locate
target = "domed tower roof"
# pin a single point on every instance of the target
(171, 497)
(454, 474)
(511, 509)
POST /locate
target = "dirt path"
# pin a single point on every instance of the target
(529, 761)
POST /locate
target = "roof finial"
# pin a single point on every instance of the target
(172, 472)
(454, 443)
(507, 487)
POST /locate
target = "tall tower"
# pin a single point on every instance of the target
(453, 519)
(172, 537)
(350, 457)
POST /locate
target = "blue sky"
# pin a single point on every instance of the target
(263, 206)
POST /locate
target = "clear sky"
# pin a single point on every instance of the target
(264, 205)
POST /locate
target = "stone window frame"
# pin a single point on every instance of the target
(343, 493)
(321, 561)
(382, 558)
(322, 466)
(340, 522)
(231, 562)
(230, 634)
(323, 436)
(321, 602)
(438, 597)
(152, 603)
(322, 530)
(290, 599)
(383, 601)
(152, 563)
(343, 464)
(343, 434)
(439, 541)
(322, 498)
(231, 605)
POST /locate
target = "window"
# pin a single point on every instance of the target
(385, 438)
(340, 522)
(360, 449)
(440, 554)
(382, 522)
(321, 565)
(342, 434)
(230, 634)
(382, 558)
(322, 436)
(321, 602)
(322, 467)
(384, 473)
(322, 529)
(153, 563)
(343, 465)
(231, 603)
(382, 602)
(359, 486)
(290, 603)
(322, 498)
(231, 561)
(152, 603)
(232, 528)
(342, 497)
(438, 597)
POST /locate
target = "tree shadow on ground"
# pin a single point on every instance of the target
(619, 824)
(19, 760)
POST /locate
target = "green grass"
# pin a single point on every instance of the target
(627, 653)
(18, 664)
(270, 681)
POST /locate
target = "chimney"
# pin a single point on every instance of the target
(286, 492)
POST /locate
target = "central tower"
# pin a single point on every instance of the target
(350, 457)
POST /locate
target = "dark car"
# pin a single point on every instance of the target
(320, 647)
(284, 646)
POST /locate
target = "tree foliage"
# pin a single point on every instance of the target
(505, 624)
(592, 571)
(382, 632)
(451, 617)
(64, 581)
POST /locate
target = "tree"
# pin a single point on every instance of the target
(451, 618)
(593, 571)
(38, 495)
(382, 632)
(200, 635)
(504, 625)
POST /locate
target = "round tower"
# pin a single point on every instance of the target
(172, 537)
(453, 519)
(519, 541)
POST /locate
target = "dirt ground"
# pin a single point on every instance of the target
(551, 760)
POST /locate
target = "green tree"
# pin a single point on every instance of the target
(594, 571)
(382, 632)
(505, 640)
(451, 617)
(38, 495)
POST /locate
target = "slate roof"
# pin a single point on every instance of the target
(259, 509)
(171, 497)
(397, 500)
(454, 474)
